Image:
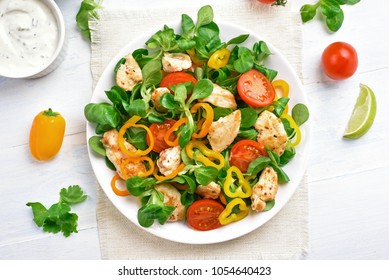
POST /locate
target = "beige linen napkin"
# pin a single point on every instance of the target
(283, 237)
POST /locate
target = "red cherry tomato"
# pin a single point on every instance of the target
(339, 60)
(175, 78)
(274, 2)
(158, 131)
(204, 214)
(267, 1)
(255, 89)
(244, 152)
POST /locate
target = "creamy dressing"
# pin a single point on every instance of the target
(28, 37)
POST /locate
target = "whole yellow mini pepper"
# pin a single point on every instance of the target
(46, 135)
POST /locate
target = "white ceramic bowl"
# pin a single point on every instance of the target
(58, 54)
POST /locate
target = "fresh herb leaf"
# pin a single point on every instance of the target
(219, 112)
(96, 145)
(72, 195)
(205, 174)
(330, 9)
(39, 211)
(300, 113)
(104, 115)
(137, 185)
(58, 217)
(245, 60)
(257, 165)
(204, 16)
(138, 107)
(238, 40)
(251, 134)
(287, 156)
(279, 105)
(249, 117)
(88, 11)
(153, 208)
(202, 89)
(269, 205)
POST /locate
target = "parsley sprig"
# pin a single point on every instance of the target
(330, 9)
(58, 217)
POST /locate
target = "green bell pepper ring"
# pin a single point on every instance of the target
(243, 190)
(227, 216)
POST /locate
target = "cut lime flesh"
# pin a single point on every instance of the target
(363, 114)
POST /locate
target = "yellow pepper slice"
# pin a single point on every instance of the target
(283, 86)
(227, 216)
(207, 154)
(219, 59)
(194, 57)
(293, 124)
(132, 123)
(116, 190)
(243, 190)
(170, 176)
(206, 124)
(171, 130)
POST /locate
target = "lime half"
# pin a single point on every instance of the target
(363, 114)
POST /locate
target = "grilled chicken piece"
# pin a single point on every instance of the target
(175, 62)
(172, 197)
(223, 131)
(271, 132)
(116, 156)
(265, 190)
(221, 97)
(169, 160)
(129, 74)
(212, 190)
(156, 98)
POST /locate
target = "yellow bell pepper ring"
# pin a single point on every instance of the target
(293, 125)
(194, 57)
(207, 157)
(219, 59)
(243, 190)
(283, 87)
(228, 216)
(46, 135)
(206, 124)
(132, 123)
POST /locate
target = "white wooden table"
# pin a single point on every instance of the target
(349, 180)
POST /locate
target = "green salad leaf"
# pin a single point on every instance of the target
(88, 11)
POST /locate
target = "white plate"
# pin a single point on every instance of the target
(179, 231)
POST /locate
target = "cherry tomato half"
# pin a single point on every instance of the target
(175, 78)
(204, 214)
(339, 60)
(255, 89)
(158, 131)
(244, 152)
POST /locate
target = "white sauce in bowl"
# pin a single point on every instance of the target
(28, 37)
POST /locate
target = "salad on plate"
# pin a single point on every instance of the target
(198, 129)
